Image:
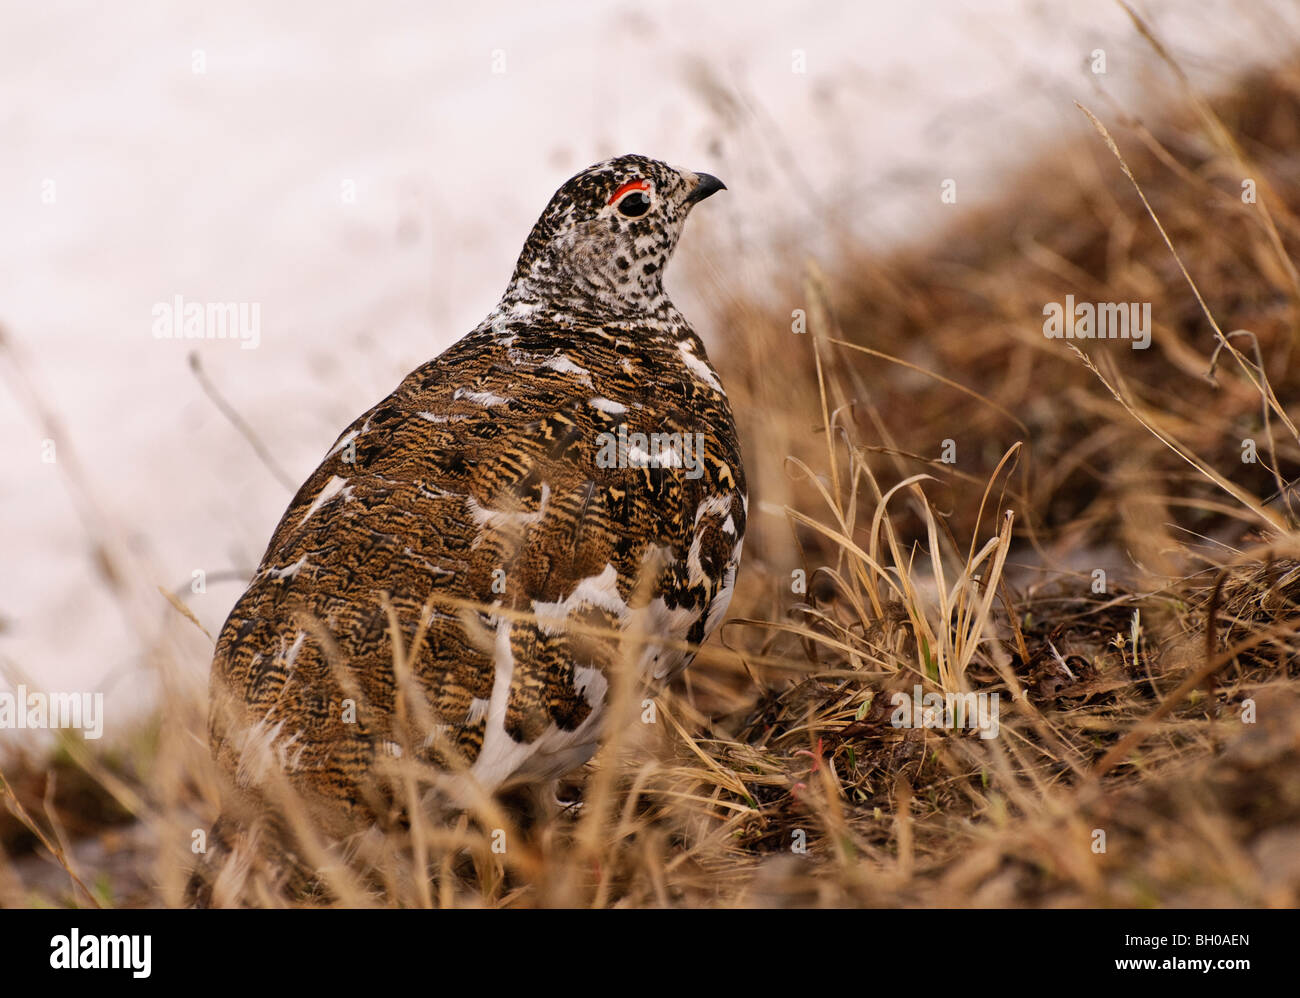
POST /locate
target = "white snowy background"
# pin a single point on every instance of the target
(127, 178)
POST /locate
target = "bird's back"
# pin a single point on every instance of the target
(497, 511)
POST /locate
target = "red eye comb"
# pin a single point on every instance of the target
(631, 185)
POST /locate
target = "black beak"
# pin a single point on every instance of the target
(708, 184)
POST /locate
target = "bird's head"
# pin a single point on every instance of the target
(608, 232)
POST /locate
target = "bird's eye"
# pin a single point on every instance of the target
(632, 199)
(634, 205)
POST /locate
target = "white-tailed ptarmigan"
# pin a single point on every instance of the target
(575, 443)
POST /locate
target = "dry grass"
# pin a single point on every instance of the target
(772, 773)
